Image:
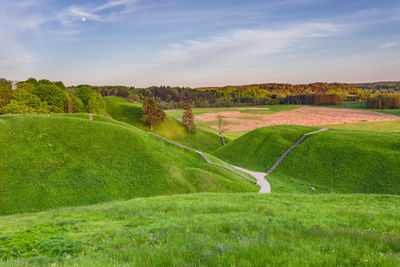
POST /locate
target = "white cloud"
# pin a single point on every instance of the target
(388, 45)
(242, 45)
(109, 11)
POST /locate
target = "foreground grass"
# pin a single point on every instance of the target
(210, 230)
(122, 110)
(47, 162)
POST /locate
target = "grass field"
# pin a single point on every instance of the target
(122, 110)
(54, 161)
(209, 230)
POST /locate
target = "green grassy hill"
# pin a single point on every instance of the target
(341, 161)
(52, 161)
(259, 149)
(209, 230)
(125, 111)
(347, 162)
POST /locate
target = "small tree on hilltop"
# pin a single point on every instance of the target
(187, 118)
(152, 113)
(221, 125)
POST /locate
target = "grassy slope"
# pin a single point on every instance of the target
(210, 230)
(56, 161)
(259, 149)
(125, 111)
(347, 162)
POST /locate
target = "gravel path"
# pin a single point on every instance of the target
(261, 181)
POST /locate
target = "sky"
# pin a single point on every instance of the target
(201, 42)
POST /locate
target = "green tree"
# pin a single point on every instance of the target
(11, 108)
(91, 99)
(52, 95)
(187, 118)
(5, 92)
(152, 113)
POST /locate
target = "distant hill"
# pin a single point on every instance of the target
(47, 162)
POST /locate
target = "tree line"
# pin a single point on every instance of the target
(44, 96)
(388, 101)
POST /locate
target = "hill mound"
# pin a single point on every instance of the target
(261, 148)
(347, 162)
(46, 162)
(342, 161)
(122, 110)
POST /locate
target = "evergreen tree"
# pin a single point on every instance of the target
(152, 113)
(187, 118)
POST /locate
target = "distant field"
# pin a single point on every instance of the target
(239, 120)
(209, 230)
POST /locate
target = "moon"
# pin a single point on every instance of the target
(83, 19)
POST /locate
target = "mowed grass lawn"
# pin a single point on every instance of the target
(210, 230)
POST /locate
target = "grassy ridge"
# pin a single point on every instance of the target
(259, 149)
(48, 162)
(125, 111)
(209, 230)
(347, 162)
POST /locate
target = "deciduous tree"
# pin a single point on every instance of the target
(152, 113)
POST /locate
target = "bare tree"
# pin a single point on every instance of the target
(221, 124)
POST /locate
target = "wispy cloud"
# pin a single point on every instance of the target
(242, 45)
(111, 10)
(388, 45)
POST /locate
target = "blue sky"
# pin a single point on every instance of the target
(200, 43)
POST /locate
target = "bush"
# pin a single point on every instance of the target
(12, 108)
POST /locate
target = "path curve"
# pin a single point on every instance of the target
(261, 181)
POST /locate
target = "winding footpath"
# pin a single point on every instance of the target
(265, 187)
